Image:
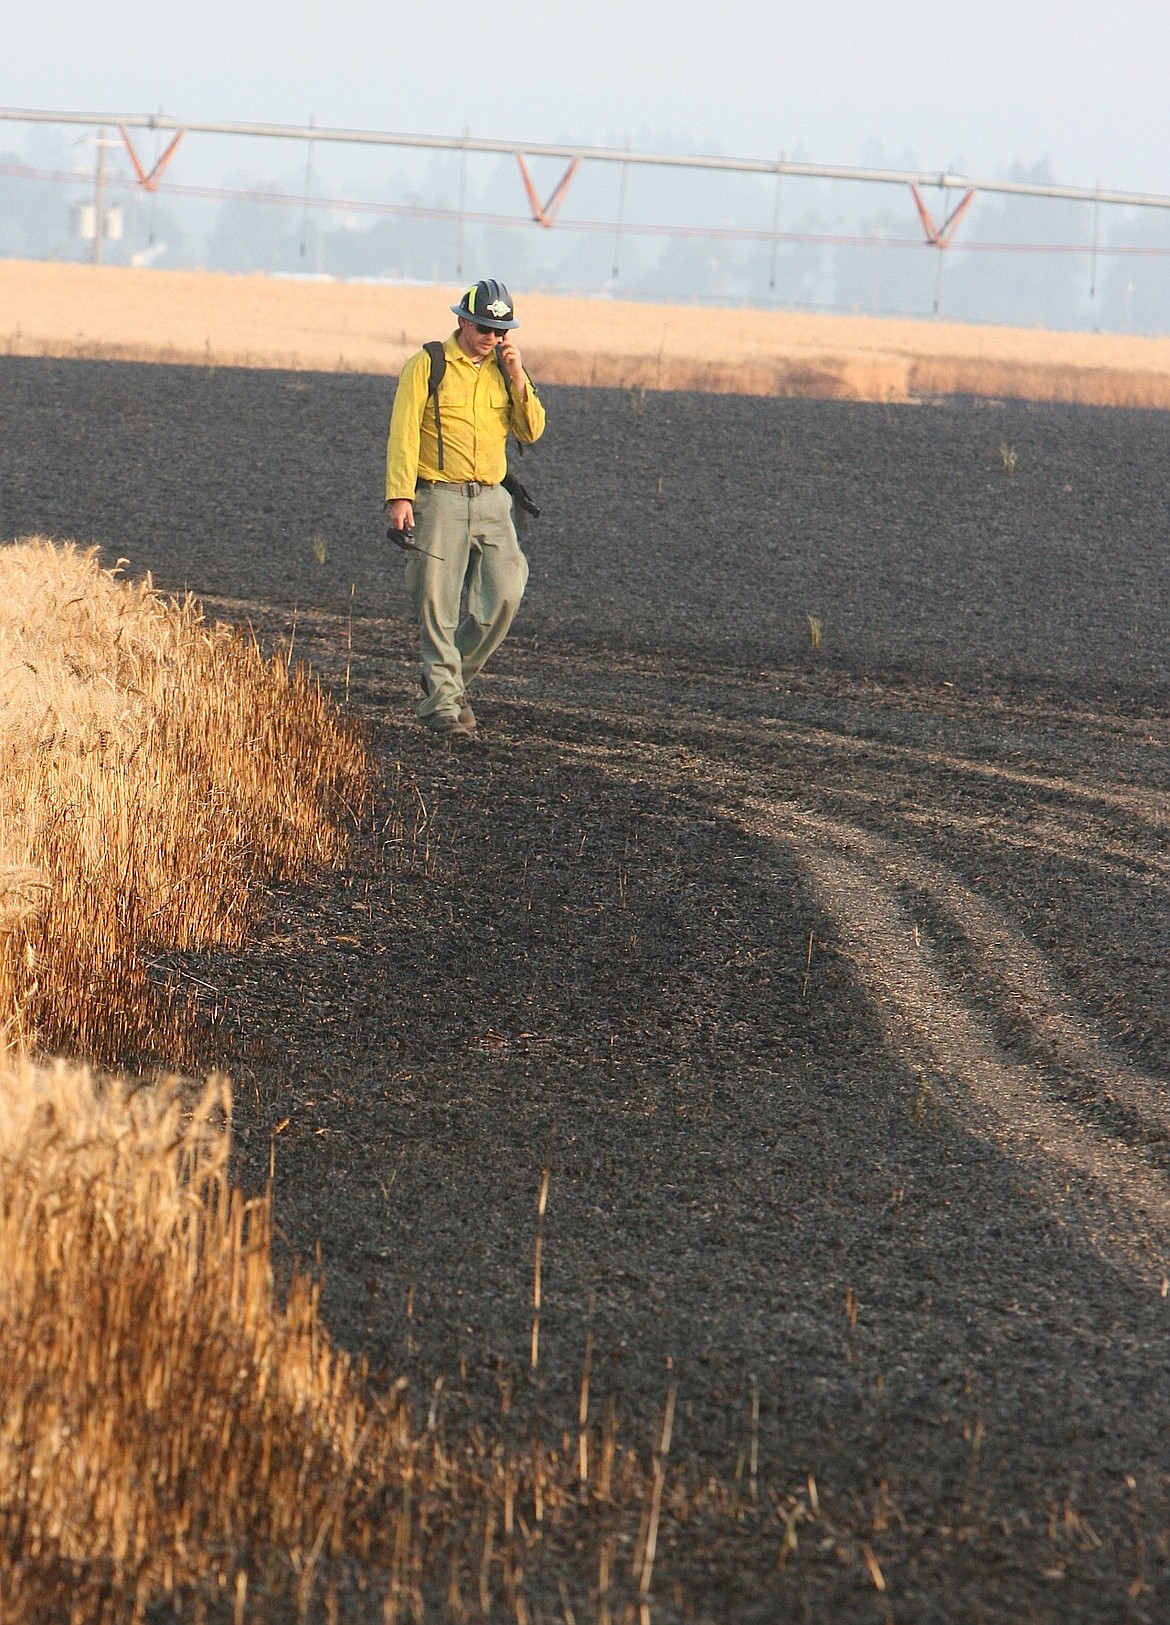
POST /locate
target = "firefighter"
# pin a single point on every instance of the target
(455, 405)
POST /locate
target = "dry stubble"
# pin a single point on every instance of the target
(178, 1428)
(156, 772)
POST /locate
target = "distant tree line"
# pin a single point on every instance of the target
(894, 273)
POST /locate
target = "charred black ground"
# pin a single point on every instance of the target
(909, 1184)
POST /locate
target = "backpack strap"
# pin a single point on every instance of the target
(438, 360)
(437, 357)
(519, 444)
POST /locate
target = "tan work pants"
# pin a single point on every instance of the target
(468, 531)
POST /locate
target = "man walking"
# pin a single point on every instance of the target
(445, 463)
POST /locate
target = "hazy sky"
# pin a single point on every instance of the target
(977, 82)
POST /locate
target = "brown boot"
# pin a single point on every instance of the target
(448, 725)
(466, 714)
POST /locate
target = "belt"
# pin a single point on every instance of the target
(469, 488)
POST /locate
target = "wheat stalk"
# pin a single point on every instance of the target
(156, 769)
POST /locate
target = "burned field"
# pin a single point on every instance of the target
(830, 982)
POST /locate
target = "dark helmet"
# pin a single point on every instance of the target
(489, 303)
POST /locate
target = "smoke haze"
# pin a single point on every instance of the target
(1070, 91)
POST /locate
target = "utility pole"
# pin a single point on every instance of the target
(99, 197)
(154, 189)
(308, 191)
(776, 224)
(621, 216)
(1096, 241)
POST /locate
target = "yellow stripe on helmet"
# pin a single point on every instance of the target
(471, 299)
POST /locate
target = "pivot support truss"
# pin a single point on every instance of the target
(148, 179)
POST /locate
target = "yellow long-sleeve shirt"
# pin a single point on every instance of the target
(477, 413)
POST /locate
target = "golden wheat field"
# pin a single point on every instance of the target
(178, 1429)
(260, 321)
(156, 769)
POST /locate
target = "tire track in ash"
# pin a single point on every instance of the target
(1098, 1152)
(1123, 1200)
(1151, 807)
(1065, 813)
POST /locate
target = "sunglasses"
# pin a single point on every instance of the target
(479, 328)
